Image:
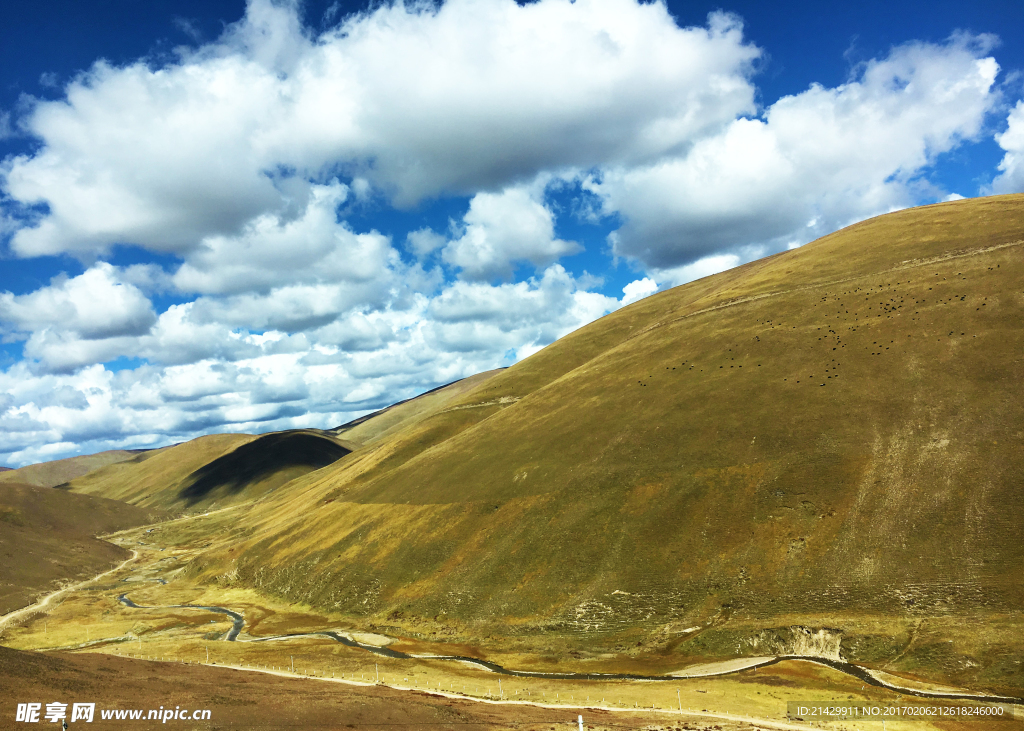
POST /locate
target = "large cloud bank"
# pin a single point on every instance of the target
(246, 159)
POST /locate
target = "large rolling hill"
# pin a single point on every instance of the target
(825, 446)
(217, 470)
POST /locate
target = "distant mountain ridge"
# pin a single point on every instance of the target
(57, 472)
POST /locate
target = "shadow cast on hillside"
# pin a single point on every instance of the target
(259, 459)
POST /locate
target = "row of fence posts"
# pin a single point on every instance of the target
(376, 670)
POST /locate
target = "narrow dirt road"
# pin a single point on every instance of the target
(46, 600)
(17, 614)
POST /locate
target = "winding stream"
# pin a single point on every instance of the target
(238, 622)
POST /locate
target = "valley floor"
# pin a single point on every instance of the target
(108, 650)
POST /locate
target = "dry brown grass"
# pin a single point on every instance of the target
(829, 437)
(47, 537)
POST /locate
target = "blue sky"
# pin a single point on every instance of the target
(254, 216)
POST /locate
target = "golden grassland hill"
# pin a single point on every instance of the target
(59, 471)
(830, 437)
(216, 470)
(47, 536)
(155, 478)
(227, 469)
(383, 423)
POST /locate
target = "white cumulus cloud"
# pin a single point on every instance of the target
(502, 228)
(812, 163)
(94, 306)
(202, 376)
(638, 289)
(674, 276)
(1011, 168)
(416, 100)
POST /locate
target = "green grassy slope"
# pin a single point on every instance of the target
(47, 537)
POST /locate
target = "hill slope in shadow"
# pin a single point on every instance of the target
(217, 470)
(269, 459)
(47, 537)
